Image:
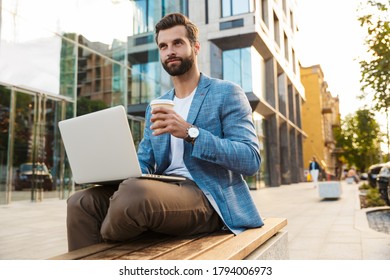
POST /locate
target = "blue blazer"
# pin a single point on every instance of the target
(226, 149)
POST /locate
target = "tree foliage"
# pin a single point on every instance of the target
(85, 106)
(375, 68)
(359, 136)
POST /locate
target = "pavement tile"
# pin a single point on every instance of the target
(341, 251)
(299, 254)
(343, 237)
(375, 249)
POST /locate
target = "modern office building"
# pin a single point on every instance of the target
(320, 115)
(60, 59)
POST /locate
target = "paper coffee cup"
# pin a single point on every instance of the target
(162, 103)
(167, 103)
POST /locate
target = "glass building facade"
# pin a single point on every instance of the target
(65, 58)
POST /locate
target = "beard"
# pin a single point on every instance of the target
(182, 68)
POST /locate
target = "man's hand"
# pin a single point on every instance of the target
(168, 121)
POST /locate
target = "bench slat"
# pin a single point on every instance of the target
(196, 247)
(245, 243)
(146, 241)
(96, 249)
(163, 247)
(80, 253)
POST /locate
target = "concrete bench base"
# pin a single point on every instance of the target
(350, 180)
(329, 189)
(276, 248)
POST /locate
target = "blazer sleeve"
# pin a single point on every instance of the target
(237, 146)
(145, 150)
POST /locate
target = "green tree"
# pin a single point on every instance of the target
(85, 106)
(359, 136)
(375, 68)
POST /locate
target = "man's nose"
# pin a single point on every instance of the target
(171, 51)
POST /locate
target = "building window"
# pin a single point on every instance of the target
(282, 92)
(276, 30)
(284, 4)
(144, 86)
(292, 21)
(172, 6)
(237, 67)
(148, 12)
(143, 19)
(286, 47)
(236, 7)
(264, 12)
(293, 61)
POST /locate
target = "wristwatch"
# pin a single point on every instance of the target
(192, 133)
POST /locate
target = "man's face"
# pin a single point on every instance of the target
(176, 53)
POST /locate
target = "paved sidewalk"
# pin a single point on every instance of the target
(318, 229)
(321, 229)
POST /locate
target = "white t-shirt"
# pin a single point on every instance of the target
(177, 167)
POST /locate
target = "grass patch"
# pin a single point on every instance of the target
(365, 186)
(372, 197)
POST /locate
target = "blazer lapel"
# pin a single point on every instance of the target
(170, 94)
(200, 94)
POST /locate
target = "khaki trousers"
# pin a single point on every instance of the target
(112, 213)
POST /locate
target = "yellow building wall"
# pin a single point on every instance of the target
(313, 82)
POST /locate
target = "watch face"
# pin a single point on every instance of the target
(193, 132)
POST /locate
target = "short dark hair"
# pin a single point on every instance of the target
(175, 19)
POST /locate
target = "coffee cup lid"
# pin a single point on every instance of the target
(162, 101)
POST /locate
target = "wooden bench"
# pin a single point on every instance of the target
(267, 242)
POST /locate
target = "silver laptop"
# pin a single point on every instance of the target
(100, 148)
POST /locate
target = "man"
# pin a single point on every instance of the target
(314, 169)
(208, 138)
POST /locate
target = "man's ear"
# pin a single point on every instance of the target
(197, 48)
